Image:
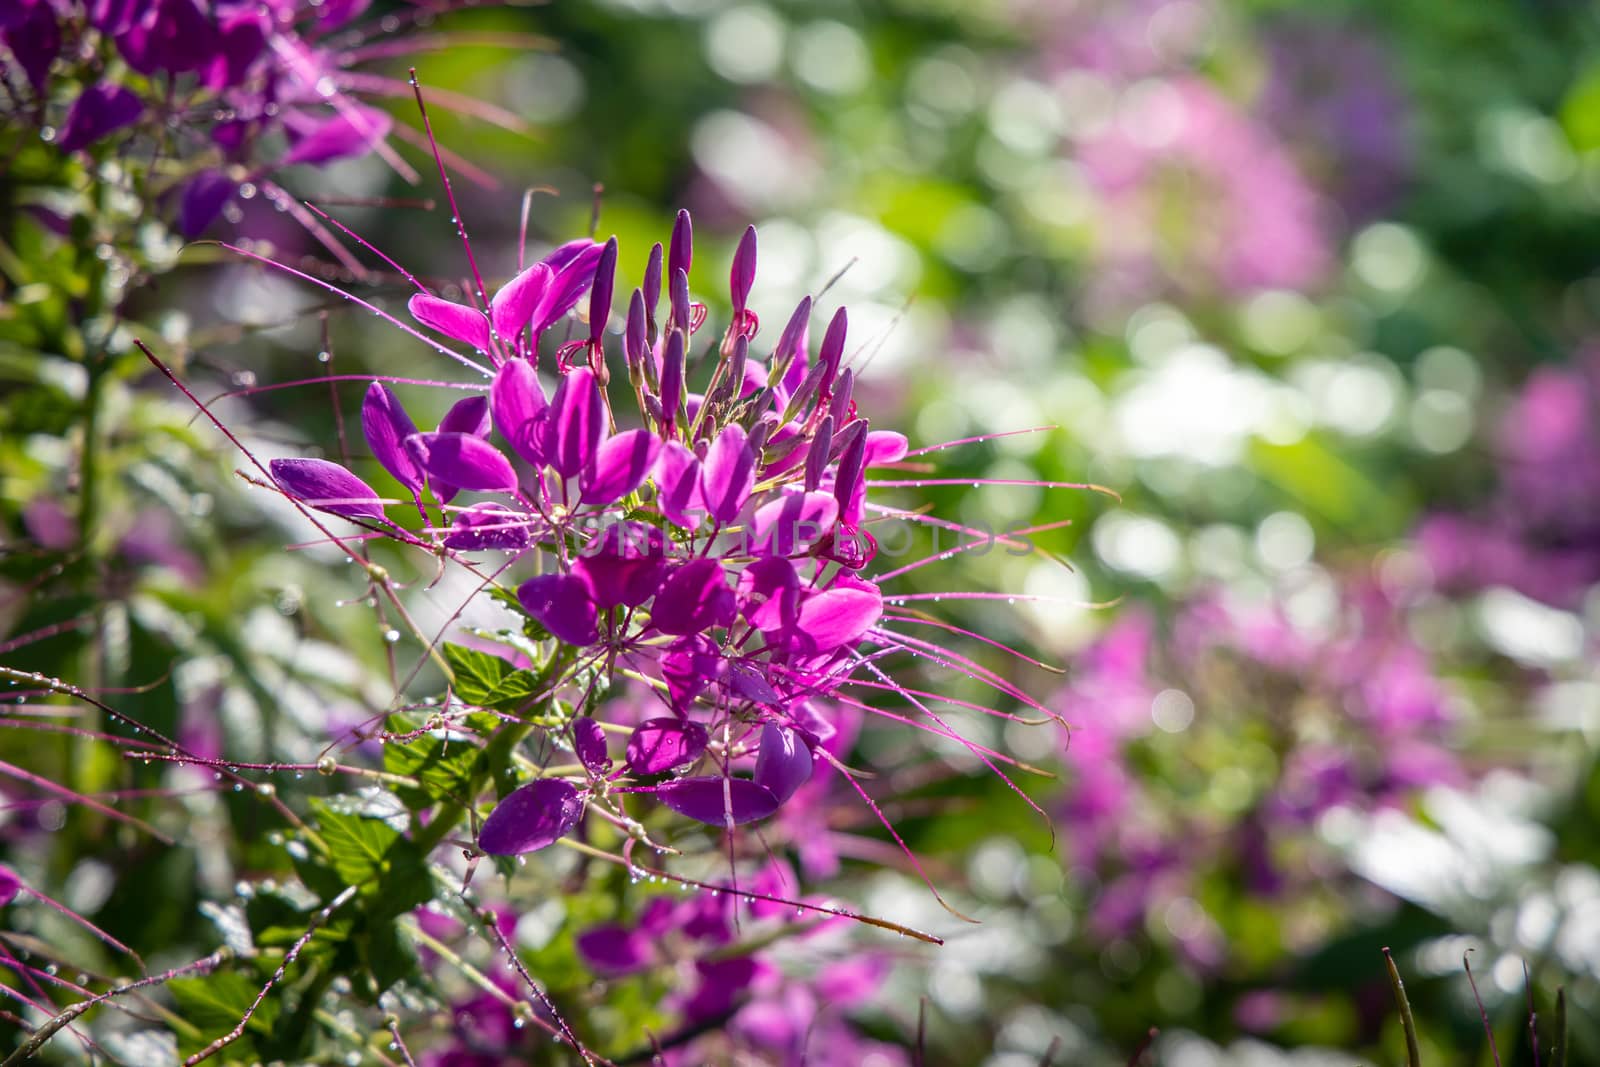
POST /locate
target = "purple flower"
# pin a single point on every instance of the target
(1255, 223)
(534, 300)
(99, 110)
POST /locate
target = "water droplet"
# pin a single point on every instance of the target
(391, 636)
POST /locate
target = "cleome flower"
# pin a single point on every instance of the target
(709, 545)
(227, 93)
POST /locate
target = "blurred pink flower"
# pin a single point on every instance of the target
(1195, 197)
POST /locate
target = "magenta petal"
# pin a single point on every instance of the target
(576, 423)
(560, 603)
(462, 461)
(728, 474)
(885, 446)
(517, 402)
(659, 745)
(693, 598)
(769, 594)
(513, 305)
(204, 197)
(787, 525)
(467, 416)
(748, 683)
(623, 564)
(326, 487)
(614, 950)
(351, 132)
(487, 526)
(99, 110)
(716, 801)
(589, 742)
(619, 466)
(386, 425)
(688, 668)
(10, 885)
(574, 265)
(838, 616)
(533, 817)
(677, 477)
(463, 323)
(784, 761)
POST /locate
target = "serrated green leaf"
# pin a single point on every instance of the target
(366, 851)
(477, 673)
(215, 1004)
(358, 845)
(444, 767)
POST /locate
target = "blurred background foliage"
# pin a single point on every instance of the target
(1310, 286)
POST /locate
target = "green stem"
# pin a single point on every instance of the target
(1407, 1023)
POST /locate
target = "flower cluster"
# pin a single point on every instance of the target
(1539, 533)
(1284, 719)
(713, 551)
(235, 90)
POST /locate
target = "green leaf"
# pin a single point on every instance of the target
(444, 767)
(215, 1004)
(365, 851)
(389, 957)
(358, 845)
(477, 673)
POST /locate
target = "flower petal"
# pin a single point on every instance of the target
(514, 303)
(462, 461)
(576, 423)
(728, 474)
(838, 616)
(386, 425)
(659, 745)
(458, 321)
(619, 466)
(787, 525)
(574, 265)
(517, 403)
(204, 197)
(677, 478)
(530, 818)
(351, 132)
(717, 801)
(769, 594)
(694, 598)
(623, 564)
(613, 950)
(784, 761)
(99, 110)
(885, 446)
(560, 603)
(589, 742)
(326, 487)
(467, 416)
(487, 526)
